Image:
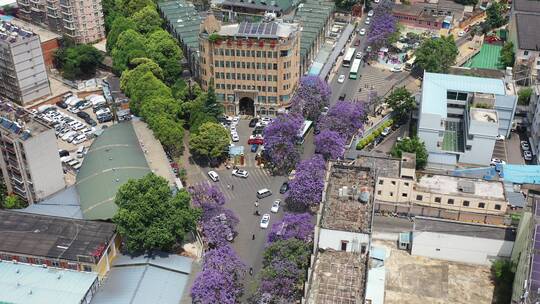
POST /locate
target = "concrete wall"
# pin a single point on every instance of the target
(333, 239)
(459, 248)
(44, 164)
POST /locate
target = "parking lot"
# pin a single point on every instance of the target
(241, 197)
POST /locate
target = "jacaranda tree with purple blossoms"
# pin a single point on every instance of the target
(280, 141)
(344, 117)
(330, 144)
(383, 25)
(312, 96)
(213, 286)
(305, 190)
(293, 225)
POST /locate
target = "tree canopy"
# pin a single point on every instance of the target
(147, 19)
(495, 15)
(210, 141)
(437, 55)
(118, 25)
(401, 101)
(507, 57)
(130, 45)
(412, 145)
(164, 50)
(78, 61)
(150, 216)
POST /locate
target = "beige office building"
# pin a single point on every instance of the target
(254, 66)
(29, 160)
(81, 21)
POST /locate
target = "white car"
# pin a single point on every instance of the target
(362, 32)
(213, 176)
(240, 173)
(68, 135)
(525, 145)
(235, 119)
(386, 131)
(275, 206)
(266, 120)
(235, 137)
(370, 13)
(527, 155)
(461, 34)
(341, 78)
(376, 1)
(397, 69)
(495, 161)
(79, 139)
(265, 220)
(359, 55)
(501, 137)
(368, 21)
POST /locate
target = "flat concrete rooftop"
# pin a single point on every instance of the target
(484, 115)
(451, 185)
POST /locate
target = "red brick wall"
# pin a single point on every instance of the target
(48, 48)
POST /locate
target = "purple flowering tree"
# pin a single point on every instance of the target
(308, 183)
(213, 286)
(330, 144)
(344, 117)
(281, 280)
(383, 25)
(312, 96)
(280, 141)
(293, 225)
(225, 260)
(206, 196)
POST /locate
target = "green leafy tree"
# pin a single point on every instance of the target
(146, 87)
(210, 141)
(130, 7)
(168, 131)
(130, 78)
(524, 96)
(3, 193)
(211, 106)
(147, 19)
(437, 55)
(119, 25)
(14, 202)
(151, 217)
(130, 45)
(293, 250)
(164, 50)
(502, 274)
(506, 57)
(159, 105)
(495, 16)
(401, 101)
(412, 145)
(78, 62)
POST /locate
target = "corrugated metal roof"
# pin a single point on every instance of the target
(141, 280)
(22, 283)
(64, 203)
(521, 174)
(435, 86)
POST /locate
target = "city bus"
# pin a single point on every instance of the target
(349, 55)
(354, 69)
(306, 128)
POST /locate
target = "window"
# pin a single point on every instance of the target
(393, 182)
(391, 193)
(406, 184)
(419, 197)
(462, 96)
(344, 245)
(437, 200)
(450, 201)
(526, 53)
(466, 203)
(451, 95)
(481, 205)
(379, 192)
(404, 194)
(87, 268)
(497, 207)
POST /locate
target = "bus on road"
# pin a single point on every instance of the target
(349, 56)
(306, 128)
(354, 69)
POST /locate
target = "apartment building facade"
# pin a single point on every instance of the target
(460, 118)
(23, 75)
(29, 160)
(253, 66)
(524, 34)
(82, 21)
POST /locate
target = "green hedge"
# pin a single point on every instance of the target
(371, 137)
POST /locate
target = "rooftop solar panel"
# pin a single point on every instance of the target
(267, 30)
(255, 28)
(260, 29)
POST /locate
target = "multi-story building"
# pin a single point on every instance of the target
(253, 66)
(524, 34)
(29, 160)
(82, 21)
(58, 242)
(533, 115)
(23, 76)
(460, 118)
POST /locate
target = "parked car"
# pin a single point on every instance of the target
(359, 55)
(83, 115)
(386, 131)
(81, 152)
(378, 139)
(370, 13)
(235, 137)
(275, 206)
(527, 155)
(254, 148)
(396, 69)
(255, 140)
(91, 122)
(368, 21)
(496, 161)
(362, 32)
(253, 122)
(79, 139)
(525, 145)
(265, 220)
(263, 193)
(63, 153)
(62, 105)
(240, 173)
(213, 176)
(501, 137)
(341, 78)
(284, 187)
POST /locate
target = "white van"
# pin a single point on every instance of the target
(213, 176)
(263, 193)
(81, 152)
(68, 135)
(73, 162)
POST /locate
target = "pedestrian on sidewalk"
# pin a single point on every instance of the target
(256, 204)
(253, 237)
(251, 271)
(232, 187)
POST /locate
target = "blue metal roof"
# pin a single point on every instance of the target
(435, 87)
(521, 174)
(31, 284)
